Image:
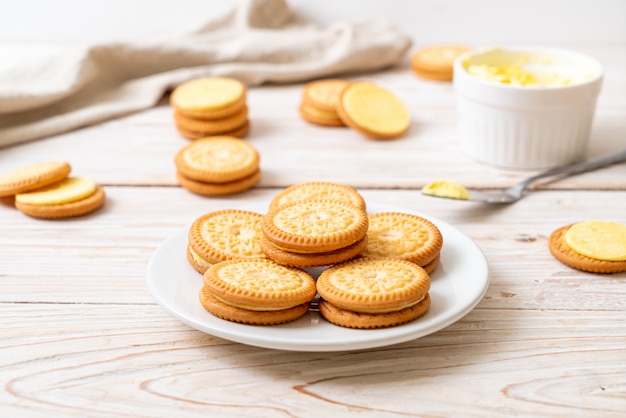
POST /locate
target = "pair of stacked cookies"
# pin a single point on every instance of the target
(315, 224)
(218, 165)
(591, 246)
(436, 62)
(365, 107)
(223, 235)
(210, 106)
(45, 190)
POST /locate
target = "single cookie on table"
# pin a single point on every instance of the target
(436, 62)
(72, 197)
(224, 235)
(256, 291)
(314, 226)
(597, 247)
(373, 292)
(403, 235)
(33, 177)
(319, 101)
(218, 165)
(318, 190)
(373, 111)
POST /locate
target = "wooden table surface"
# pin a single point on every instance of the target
(83, 336)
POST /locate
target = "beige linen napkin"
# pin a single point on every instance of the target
(258, 41)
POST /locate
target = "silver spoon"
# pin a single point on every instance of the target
(515, 193)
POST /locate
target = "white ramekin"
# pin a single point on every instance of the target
(526, 127)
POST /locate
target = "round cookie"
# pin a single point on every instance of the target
(205, 95)
(68, 190)
(198, 263)
(403, 235)
(65, 210)
(379, 291)
(218, 159)
(245, 316)
(219, 189)
(259, 284)
(193, 135)
(312, 259)
(602, 240)
(565, 254)
(314, 226)
(373, 111)
(319, 117)
(229, 110)
(350, 319)
(318, 190)
(324, 94)
(212, 127)
(226, 235)
(33, 177)
(436, 62)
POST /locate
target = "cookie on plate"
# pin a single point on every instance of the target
(318, 190)
(71, 197)
(405, 236)
(311, 227)
(224, 235)
(373, 292)
(436, 62)
(592, 246)
(33, 177)
(373, 111)
(256, 291)
(217, 165)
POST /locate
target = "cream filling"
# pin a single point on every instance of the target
(396, 309)
(201, 261)
(249, 307)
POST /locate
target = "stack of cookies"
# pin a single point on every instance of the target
(210, 106)
(256, 291)
(592, 246)
(224, 235)
(314, 232)
(46, 191)
(217, 165)
(436, 62)
(319, 102)
(404, 236)
(365, 107)
(373, 292)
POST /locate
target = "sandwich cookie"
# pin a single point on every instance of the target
(436, 62)
(373, 292)
(256, 291)
(319, 102)
(306, 229)
(218, 165)
(316, 190)
(33, 177)
(210, 106)
(224, 235)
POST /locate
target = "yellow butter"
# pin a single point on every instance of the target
(446, 188)
(602, 240)
(69, 190)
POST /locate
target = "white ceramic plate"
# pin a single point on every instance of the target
(458, 284)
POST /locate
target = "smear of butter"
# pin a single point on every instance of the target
(602, 240)
(524, 71)
(446, 188)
